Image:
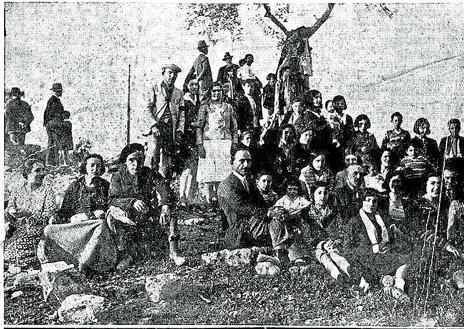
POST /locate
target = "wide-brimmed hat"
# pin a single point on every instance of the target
(15, 91)
(172, 67)
(57, 87)
(227, 56)
(202, 44)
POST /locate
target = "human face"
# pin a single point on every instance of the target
(216, 94)
(225, 88)
(247, 88)
(169, 76)
(340, 106)
(385, 158)
(370, 204)
(453, 129)
(242, 163)
(362, 126)
(305, 137)
(319, 162)
(317, 101)
(272, 81)
(450, 179)
(250, 60)
(37, 174)
(246, 140)
(204, 50)
(411, 151)
(372, 169)
(432, 188)
(350, 159)
(396, 121)
(292, 192)
(264, 183)
(193, 88)
(229, 61)
(297, 107)
(93, 167)
(355, 175)
(330, 107)
(321, 195)
(134, 162)
(422, 130)
(58, 93)
(395, 183)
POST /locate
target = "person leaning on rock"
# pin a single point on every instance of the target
(18, 117)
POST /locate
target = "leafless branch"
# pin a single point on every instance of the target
(273, 18)
(307, 32)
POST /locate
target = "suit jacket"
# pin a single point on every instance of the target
(348, 201)
(239, 206)
(443, 145)
(18, 111)
(54, 110)
(245, 113)
(222, 74)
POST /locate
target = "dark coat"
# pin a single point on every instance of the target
(443, 145)
(53, 111)
(245, 113)
(80, 198)
(18, 111)
(239, 207)
(428, 149)
(125, 189)
(223, 77)
(348, 202)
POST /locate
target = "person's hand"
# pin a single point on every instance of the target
(140, 206)
(155, 131)
(453, 250)
(165, 216)
(99, 213)
(201, 151)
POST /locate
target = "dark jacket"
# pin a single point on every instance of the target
(245, 113)
(223, 77)
(443, 144)
(18, 111)
(428, 149)
(348, 201)
(125, 189)
(239, 207)
(80, 198)
(268, 96)
(53, 111)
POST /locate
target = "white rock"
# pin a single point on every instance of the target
(56, 267)
(16, 294)
(26, 279)
(81, 308)
(458, 277)
(194, 221)
(156, 286)
(235, 257)
(267, 269)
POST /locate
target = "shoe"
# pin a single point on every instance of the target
(125, 262)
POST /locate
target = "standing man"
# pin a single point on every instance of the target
(223, 77)
(18, 117)
(53, 120)
(202, 69)
(166, 121)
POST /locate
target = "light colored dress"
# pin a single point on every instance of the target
(217, 133)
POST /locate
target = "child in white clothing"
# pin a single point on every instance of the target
(293, 202)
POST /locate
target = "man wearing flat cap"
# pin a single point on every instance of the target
(53, 119)
(18, 117)
(166, 121)
(201, 69)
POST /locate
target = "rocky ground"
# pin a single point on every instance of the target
(222, 290)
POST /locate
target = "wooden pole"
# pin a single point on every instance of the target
(128, 106)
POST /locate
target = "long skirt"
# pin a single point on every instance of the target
(216, 166)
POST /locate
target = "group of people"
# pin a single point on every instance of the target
(305, 179)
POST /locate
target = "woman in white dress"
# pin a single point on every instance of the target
(216, 135)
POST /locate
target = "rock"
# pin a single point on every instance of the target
(458, 278)
(27, 279)
(194, 221)
(82, 309)
(236, 257)
(16, 294)
(267, 269)
(157, 287)
(60, 280)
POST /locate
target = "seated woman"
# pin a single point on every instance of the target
(84, 239)
(427, 147)
(134, 207)
(31, 206)
(321, 230)
(363, 144)
(316, 171)
(367, 246)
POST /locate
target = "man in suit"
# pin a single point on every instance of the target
(18, 117)
(248, 111)
(223, 76)
(248, 220)
(53, 120)
(349, 197)
(452, 146)
(165, 121)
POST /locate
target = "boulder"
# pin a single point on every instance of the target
(60, 280)
(458, 278)
(81, 309)
(236, 257)
(158, 287)
(194, 221)
(267, 269)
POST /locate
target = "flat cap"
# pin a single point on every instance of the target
(172, 67)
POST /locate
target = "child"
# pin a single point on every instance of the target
(269, 93)
(316, 171)
(264, 186)
(293, 113)
(292, 201)
(416, 168)
(397, 138)
(373, 179)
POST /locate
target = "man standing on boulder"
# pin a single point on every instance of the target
(53, 120)
(166, 122)
(18, 117)
(202, 69)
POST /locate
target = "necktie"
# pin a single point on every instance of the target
(245, 184)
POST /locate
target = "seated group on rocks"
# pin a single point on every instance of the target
(310, 183)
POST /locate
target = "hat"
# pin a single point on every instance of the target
(227, 56)
(172, 67)
(57, 86)
(15, 91)
(129, 149)
(202, 44)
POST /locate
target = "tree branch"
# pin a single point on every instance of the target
(307, 32)
(273, 18)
